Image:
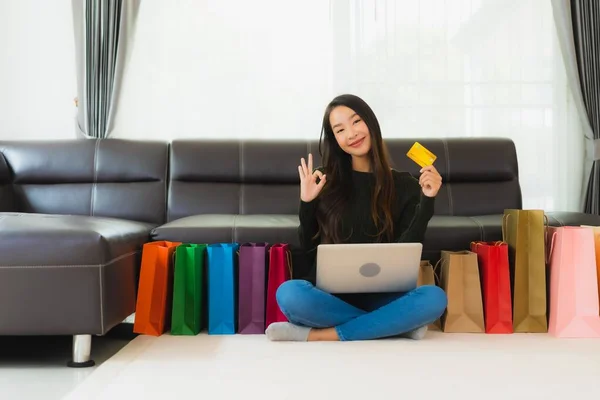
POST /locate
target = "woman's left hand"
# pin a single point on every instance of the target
(430, 181)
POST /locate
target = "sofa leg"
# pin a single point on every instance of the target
(82, 348)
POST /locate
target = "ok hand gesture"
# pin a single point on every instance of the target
(309, 189)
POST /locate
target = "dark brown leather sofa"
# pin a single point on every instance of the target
(74, 215)
(73, 218)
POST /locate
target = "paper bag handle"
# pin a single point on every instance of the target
(435, 272)
(289, 259)
(504, 226)
(496, 243)
(549, 255)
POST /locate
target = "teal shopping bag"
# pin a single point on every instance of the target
(187, 289)
(222, 288)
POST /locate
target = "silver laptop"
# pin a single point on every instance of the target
(368, 267)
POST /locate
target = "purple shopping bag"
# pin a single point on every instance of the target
(251, 295)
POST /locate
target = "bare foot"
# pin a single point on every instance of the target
(323, 335)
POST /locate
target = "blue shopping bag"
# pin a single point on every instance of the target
(222, 288)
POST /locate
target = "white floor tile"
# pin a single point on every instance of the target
(35, 367)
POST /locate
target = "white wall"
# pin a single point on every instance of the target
(227, 68)
(37, 70)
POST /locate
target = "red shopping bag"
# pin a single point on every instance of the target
(280, 270)
(492, 258)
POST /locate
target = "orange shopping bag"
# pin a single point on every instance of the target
(152, 313)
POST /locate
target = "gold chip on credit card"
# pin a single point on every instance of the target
(421, 155)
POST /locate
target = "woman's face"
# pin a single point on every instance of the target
(350, 131)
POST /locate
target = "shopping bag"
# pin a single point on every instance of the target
(524, 232)
(492, 258)
(153, 306)
(187, 289)
(574, 310)
(280, 270)
(427, 277)
(222, 289)
(460, 280)
(596, 230)
(252, 288)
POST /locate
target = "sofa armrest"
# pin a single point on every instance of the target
(564, 218)
(7, 200)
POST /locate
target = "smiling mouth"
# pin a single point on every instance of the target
(357, 143)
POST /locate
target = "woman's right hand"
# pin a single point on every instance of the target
(309, 189)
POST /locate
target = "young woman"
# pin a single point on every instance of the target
(358, 198)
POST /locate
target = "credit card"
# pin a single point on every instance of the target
(421, 155)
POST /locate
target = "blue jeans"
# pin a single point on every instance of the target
(382, 315)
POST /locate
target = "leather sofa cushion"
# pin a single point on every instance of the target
(567, 218)
(227, 228)
(443, 232)
(68, 274)
(256, 177)
(67, 240)
(114, 178)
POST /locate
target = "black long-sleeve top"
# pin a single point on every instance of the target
(412, 212)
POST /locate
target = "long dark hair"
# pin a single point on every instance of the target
(338, 167)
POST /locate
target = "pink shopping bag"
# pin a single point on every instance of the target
(596, 230)
(574, 308)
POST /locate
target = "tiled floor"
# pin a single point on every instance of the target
(35, 367)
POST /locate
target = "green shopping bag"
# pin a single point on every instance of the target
(187, 289)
